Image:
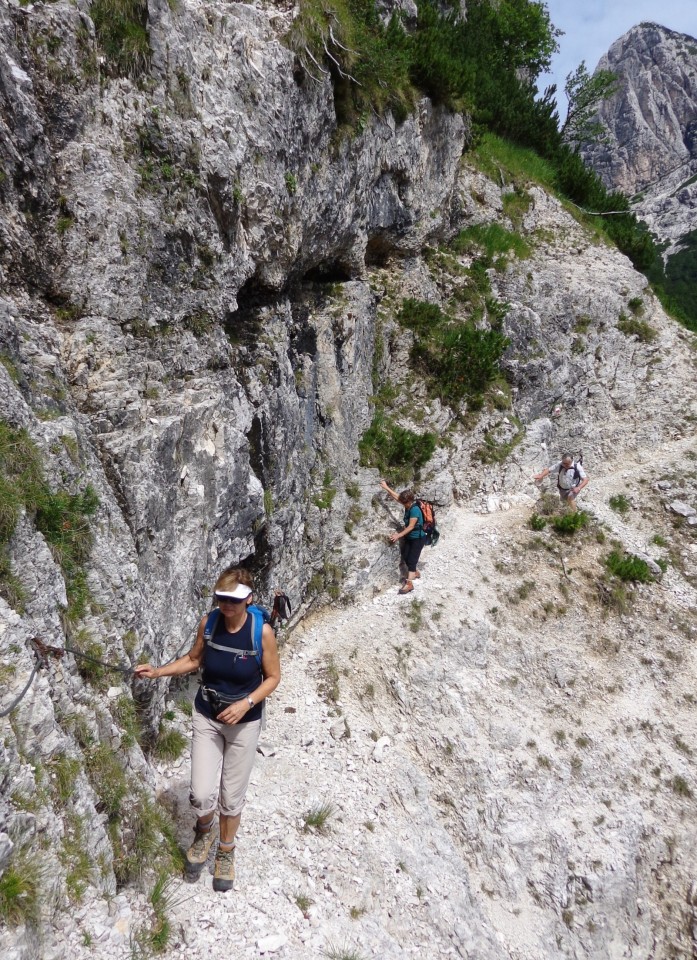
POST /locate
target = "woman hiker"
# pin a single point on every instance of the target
(412, 538)
(226, 719)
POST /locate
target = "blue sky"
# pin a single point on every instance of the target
(592, 26)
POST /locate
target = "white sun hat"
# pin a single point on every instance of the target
(241, 592)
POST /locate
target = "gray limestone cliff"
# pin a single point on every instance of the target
(651, 120)
(201, 274)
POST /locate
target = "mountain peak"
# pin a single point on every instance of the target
(651, 118)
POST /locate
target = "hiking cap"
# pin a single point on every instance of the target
(241, 592)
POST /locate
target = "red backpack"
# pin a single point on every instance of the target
(429, 525)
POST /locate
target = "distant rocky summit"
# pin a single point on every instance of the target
(651, 149)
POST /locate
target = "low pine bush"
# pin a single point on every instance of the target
(570, 523)
(458, 359)
(628, 568)
(394, 449)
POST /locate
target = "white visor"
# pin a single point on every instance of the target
(241, 592)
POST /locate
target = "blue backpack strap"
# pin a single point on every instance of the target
(211, 624)
(257, 628)
(257, 615)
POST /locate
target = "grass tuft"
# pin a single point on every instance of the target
(318, 817)
(170, 744)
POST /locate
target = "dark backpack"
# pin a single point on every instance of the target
(427, 508)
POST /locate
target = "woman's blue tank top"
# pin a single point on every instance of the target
(233, 675)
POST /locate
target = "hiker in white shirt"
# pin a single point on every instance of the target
(571, 479)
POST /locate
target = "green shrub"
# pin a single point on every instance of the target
(368, 61)
(62, 517)
(628, 568)
(143, 837)
(108, 780)
(569, 523)
(394, 449)
(125, 712)
(458, 359)
(537, 523)
(21, 477)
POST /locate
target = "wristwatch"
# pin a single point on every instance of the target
(251, 702)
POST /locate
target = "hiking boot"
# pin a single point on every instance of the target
(224, 875)
(407, 587)
(197, 854)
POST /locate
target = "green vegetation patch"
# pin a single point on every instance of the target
(633, 327)
(20, 891)
(141, 832)
(458, 359)
(393, 449)
(516, 204)
(675, 284)
(570, 523)
(537, 523)
(62, 517)
(494, 239)
(628, 568)
(367, 61)
(523, 166)
(170, 743)
(497, 451)
(619, 503)
(121, 28)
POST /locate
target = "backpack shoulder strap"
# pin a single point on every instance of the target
(211, 624)
(257, 629)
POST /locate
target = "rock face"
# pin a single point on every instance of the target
(651, 152)
(201, 277)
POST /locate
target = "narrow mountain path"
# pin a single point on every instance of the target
(457, 741)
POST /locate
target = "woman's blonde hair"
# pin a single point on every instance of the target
(231, 577)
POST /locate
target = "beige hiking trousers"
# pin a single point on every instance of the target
(222, 757)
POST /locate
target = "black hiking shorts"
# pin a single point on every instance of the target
(411, 551)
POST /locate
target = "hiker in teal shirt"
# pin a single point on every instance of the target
(412, 537)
